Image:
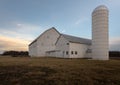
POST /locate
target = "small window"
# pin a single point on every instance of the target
(66, 52)
(89, 51)
(67, 43)
(48, 37)
(75, 52)
(71, 52)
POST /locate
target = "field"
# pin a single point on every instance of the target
(56, 71)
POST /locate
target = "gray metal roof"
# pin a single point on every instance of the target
(77, 39)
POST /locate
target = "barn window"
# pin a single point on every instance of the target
(67, 43)
(63, 53)
(66, 52)
(75, 52)
(71, 52)
(48, 37)
(89, 51)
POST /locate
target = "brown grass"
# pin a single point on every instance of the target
(55, 71)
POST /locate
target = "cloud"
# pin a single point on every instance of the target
(115, 44)
(19, 25)
(113, 3)
(18, 36)
(22, 30)
(81, 21)
(9, 43)
(30, 28)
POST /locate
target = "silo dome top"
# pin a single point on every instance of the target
(101, 7)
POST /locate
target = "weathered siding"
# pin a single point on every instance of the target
(33, 49)
(79, 48)
(62, 46)
(46, 42)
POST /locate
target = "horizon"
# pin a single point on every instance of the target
(23, 21)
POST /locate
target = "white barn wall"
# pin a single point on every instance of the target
(80, 48)
(62, 46)
(33, 49)
(46, 41)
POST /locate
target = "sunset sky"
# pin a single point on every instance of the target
(21, 21)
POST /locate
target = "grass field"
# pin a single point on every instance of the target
(55, 71)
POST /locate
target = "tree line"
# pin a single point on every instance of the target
(15, 53)
(114, 54)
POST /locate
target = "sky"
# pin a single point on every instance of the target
(21, 21)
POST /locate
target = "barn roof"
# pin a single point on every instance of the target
(68, 37)
(77, 39)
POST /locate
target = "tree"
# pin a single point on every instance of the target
(15, 53)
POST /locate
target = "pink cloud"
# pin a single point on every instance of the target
(9, 43)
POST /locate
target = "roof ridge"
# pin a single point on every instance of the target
(43, 33)
(74, 36)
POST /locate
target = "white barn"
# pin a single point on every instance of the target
(52, 43)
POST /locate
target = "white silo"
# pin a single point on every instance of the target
(100, 41)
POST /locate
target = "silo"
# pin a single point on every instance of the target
(100, 41)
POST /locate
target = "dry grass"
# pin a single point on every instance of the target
(55, 71)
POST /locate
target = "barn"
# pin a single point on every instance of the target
(55, 44)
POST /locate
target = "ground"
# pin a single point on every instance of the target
(56, 71)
